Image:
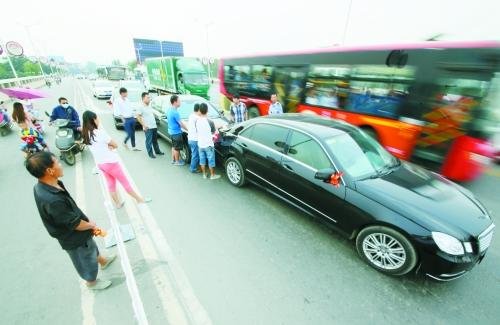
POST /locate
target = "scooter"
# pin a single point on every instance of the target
(5, 123)
(66, 142)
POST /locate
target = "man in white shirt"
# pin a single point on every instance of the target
(275, 108)
(147, 119)
(205, 143)
(193, 139)
(123, 107)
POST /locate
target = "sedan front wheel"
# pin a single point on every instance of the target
(386, 250)
(234, 171)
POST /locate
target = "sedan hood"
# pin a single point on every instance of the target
(103, 89)
(429, 200)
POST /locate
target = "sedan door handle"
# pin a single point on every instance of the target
(272, 159)
(241, 144)
(288, 167)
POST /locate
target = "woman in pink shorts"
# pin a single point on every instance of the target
(103, 149)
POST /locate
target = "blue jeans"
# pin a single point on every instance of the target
(195, 158)
(152, 141)
(129, 125)
(207, 154)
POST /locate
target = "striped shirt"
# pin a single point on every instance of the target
(238, 111)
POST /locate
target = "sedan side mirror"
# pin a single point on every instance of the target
(329, 175)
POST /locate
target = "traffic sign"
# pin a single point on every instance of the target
(14, 48)
(148, 48)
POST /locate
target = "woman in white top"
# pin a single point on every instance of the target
(103, 149)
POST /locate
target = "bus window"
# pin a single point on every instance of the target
(327, 86)
(261, 80)
(378, 90)
(238, 79)
(288, 84)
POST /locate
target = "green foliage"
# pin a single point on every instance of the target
(132, 65)
(23, 66)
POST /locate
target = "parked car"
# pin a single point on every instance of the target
(102, 89)
(133, 84)
(161, 104)
(401, 216)
(134, 96)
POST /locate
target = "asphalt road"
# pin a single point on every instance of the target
(209, 253)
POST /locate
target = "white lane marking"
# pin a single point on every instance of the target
(193, 308)
(133, 290)
(87, 297)
(172, 308)
(137, 304)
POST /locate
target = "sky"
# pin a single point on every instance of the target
(101, 31)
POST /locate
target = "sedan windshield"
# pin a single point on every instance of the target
(103, 84)
(186, 108)
(360, 155)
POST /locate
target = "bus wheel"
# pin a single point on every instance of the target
(371, 132)
(253, 112)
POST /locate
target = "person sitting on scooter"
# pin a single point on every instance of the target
(31, 138)
(20, 115)
(67, 112)
(4, 114)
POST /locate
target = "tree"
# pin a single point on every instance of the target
(132, 65)
(30, 69)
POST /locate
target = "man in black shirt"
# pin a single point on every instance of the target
(65, 221)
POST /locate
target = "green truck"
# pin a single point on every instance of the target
(177, 75)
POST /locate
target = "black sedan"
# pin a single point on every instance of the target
(402, 217)
(161, 104)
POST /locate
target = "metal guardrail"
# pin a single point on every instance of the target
(6, 83)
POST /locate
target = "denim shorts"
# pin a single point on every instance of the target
(84, 259)
(207, 154)
(177, 141)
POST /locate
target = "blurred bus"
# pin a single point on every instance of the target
(112, 72)
(429, 102)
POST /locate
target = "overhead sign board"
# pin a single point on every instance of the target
(148, 48)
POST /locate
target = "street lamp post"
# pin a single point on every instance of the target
(347, 21)
(207, 25)
(2, 45)
(27, 28)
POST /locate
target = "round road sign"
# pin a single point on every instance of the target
(14, 48)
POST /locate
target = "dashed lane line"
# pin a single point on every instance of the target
(173, 286)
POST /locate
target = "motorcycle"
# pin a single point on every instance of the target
(65, 141)
(32, 146)
(36, 120)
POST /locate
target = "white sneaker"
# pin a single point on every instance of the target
(204, 176)
(214, 177)
(100, 285)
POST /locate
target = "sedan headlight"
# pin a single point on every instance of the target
(448, 244)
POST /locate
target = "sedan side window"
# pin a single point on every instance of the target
(306, 150)
(269, 135)
(156, 105)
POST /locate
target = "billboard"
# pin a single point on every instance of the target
(148, 48)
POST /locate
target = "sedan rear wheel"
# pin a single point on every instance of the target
(386, 250)
(235, 172)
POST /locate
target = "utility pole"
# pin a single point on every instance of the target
(347, 22)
